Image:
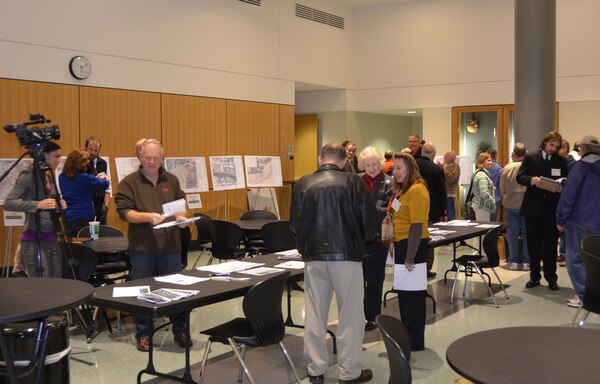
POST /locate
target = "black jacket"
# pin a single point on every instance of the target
(436, 184)
(332, 215)
(537, 200)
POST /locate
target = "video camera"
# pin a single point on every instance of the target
(35, 137)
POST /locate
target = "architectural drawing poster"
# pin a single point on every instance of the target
(125, 166)
(190, 171)
(7, 184)
(263, 171)
(227, 172)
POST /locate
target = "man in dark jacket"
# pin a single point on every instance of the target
(93, 144)
(579, 211)
(436, 184)
(332, 216)
(539, 207)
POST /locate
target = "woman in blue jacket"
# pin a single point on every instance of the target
(77, 188)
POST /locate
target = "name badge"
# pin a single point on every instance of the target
(556, 172)
(396, 205)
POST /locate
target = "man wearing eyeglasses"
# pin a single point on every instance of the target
(152, 252)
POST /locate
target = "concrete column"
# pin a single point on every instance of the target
(535, 70)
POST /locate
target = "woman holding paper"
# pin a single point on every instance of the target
(380, 191)
(484, 202)
(411, 243)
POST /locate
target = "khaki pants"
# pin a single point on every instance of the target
(321, 280)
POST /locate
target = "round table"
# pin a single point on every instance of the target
(107, 244)
(25, 299)
(527, 355)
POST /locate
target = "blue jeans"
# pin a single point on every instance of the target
(516, 225)
(574, 234)
(494, 215)
(451, 208)
(149, 265)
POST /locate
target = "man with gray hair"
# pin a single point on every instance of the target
(512, 195)
(332, 216)
(436, 184)
(578, 211)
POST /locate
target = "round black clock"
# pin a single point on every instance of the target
(80, 67)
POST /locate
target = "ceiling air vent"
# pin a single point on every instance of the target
(253, 2)
(319, 16)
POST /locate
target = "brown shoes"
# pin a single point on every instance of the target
(319, 379)
(365, 376)
(143, 344)
(183, 340)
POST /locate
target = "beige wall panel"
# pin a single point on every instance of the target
(252, 129)
(286, 124)
(306, 142)
(18, 99)
(195, 126)
(120, 118)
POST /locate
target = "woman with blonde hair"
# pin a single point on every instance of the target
(380, 191)
(410, 209)
(484, 202)
(77, 187)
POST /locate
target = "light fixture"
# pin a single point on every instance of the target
(411, 112)
(472, 124)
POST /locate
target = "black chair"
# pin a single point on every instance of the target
(81, 262)
(203, 241)
(277, 236)
(186, 237)
(258, 214)
(105, 231)
(254, 239)
(262, 326)
(397, 344)
(469, 263)
(590, 256)
(227, 241)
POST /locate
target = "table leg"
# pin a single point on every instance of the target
(37, 362)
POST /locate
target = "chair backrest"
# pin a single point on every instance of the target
(591, 297)
(397, 344)
(203, 228)
(186, 237)
(490, 246)
(105, 231)
(262, 308)
(84, 262)
(277, 236)
(591, 245)
(227, 237)
(258, 214)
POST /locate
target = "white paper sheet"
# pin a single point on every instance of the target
(130, 291)
(292, 264)
(410, 281)
(180, 279)
(174, 207)
(176, 222)
(261, 271)
(232, 266)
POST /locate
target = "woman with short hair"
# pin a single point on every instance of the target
(484, 202)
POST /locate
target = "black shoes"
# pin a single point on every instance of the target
(316, 379)
(553, 286)
(365, 376)
(370, 325)
(532, 283)
(183, 340)
(431, 274)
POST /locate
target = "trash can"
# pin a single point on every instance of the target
(20, 338)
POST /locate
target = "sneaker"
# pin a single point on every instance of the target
(513, 266)
(574, 302)
(526, 267)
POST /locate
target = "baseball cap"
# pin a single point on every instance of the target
(590, 140)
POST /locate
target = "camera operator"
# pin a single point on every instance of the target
(25, 198)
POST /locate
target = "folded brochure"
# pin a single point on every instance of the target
(165, 295)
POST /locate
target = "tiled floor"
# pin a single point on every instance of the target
(114, 359)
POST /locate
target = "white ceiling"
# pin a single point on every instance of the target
(362, 3)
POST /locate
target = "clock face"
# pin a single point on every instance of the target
(80, 67)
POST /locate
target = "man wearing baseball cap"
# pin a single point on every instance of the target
(578, 211)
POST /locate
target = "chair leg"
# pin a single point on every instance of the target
(289, 360)
(454, 284)
(581, 322)
(243, 354)
(198, 259)
(204, 360)
(500, 281)
(240, 359)
(484, 283)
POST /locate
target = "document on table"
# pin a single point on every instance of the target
(291, 254)
(232, 266)
(488, 226)
(180, 279)
(457, 223)
(440, 232)
(410, 281)
(176, 222)
(130, 291)
(292, 264)
(261, 271)
(174, 207)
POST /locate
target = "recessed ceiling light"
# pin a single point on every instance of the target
(411, 112)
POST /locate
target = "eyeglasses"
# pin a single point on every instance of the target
(152, 158)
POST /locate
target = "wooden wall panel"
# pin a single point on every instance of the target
(252, 129)
(120, 118)
(195, 126)
(18, 99)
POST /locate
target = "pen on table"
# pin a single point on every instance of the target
(227, 278)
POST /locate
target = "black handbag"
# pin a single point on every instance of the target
(469, 211)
